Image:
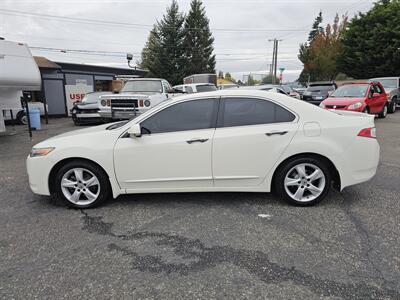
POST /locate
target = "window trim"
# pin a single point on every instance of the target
(221, 112)
(214, 115)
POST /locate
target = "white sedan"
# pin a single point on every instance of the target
(231, 140)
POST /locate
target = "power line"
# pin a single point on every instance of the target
(115, 23)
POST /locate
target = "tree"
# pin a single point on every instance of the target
(304, 48)
(198, 41)
(269, 79)
(228, 76)
(163, 52)
(372, 41)
(220, 75)
(320, 56)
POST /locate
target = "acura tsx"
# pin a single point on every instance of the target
(222, 141)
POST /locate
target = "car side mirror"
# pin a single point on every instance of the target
(135, 131)
(175, 91)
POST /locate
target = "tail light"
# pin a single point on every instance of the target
(368, 133)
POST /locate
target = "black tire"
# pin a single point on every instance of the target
(384, 112)
(104, 184)
(279, 180)
(22, 118)
(392, 106)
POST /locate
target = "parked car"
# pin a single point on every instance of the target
(366, 97)
(297, 87)
(87, 110)
(316, 92)
(392, 88)
(290, 91)
(137, 96)
(195, 88)
(201, 78)
(266, 87)
(224, 141)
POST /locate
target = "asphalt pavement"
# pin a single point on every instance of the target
(203, 246)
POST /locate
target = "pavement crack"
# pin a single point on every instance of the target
(200, 257)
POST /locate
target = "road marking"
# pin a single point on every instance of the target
(266, 216)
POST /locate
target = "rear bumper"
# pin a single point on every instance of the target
(360, 162)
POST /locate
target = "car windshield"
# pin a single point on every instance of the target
(388, 83)
(320, 88)
(147, 86)
(353, 91)
(206, 88)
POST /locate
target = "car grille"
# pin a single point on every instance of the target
(124, 103)
(335, 106)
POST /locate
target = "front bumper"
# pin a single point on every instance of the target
(38, 169)
(119, 114)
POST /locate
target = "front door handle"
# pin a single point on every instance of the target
(197, 141)
(276, 133)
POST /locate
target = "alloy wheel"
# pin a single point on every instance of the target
(304, 182)
(80, 186)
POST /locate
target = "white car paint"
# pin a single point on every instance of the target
(233, 159)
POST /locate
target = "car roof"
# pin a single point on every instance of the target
(194, 84)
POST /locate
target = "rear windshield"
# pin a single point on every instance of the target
(353, 91)
(206, 88)
(388, 83)
(318, 88)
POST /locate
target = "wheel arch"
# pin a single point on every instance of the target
(333, 170)
(58, 165)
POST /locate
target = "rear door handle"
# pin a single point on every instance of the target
(276, 133)
(197, 141)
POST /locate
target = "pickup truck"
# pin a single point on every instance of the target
(392, 88)
(137, 96)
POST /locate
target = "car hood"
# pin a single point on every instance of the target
(342, 101)
(88, 105)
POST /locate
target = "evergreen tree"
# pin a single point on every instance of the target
(371, 42)
(198, 41)
(163, 52)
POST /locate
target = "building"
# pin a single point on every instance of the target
(65, 83)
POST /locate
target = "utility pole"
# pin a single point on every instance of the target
(274, 66)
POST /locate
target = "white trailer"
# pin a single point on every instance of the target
(18, 72)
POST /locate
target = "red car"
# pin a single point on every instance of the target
(366, 97)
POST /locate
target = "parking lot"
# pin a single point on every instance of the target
(223, 245)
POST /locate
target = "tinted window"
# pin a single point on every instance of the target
(318, 88)
(190, 115)
(244, 111)
(206, 88)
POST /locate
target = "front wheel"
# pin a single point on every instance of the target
(392, 106)
(81, 184)
(303, 181)
(384, 112)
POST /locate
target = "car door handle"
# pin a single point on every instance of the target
(197, 141)
(276, 133)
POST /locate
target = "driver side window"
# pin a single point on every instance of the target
(189, 115)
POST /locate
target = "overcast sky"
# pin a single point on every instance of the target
(241, 28)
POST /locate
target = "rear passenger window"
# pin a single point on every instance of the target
(247, 111)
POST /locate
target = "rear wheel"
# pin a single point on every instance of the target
(81, 184)
(303, 181)
(392, 106)
(22, 118)
(384, 112)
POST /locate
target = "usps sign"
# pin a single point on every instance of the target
(76, 93)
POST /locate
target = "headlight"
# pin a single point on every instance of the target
(355, 105)
(103, 102)
(322, 105)
(41, 151)
(147, 103)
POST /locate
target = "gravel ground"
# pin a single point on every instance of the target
(183, 246)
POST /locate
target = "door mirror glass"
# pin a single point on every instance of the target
(135, 131)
